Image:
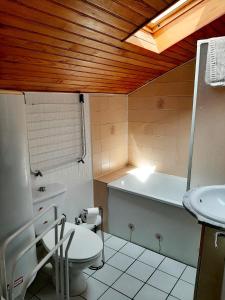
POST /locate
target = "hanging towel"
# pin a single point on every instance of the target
(215, 65)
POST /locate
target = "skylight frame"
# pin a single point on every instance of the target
(155, 23)
(181, 21)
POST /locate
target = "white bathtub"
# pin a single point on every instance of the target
(154, 205)
(157, 186)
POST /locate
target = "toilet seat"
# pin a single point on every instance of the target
(85, 246)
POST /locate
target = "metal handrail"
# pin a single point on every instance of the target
(69, 235)
(25, 250)
(9, 240)
(67, 281)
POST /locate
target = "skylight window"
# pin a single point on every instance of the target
(169, 12)
(177, 22)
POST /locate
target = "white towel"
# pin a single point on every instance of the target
(215, 65)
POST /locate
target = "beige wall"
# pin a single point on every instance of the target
(109, 128)
(159, 121)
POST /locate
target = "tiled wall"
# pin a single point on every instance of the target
(109, 132)
(76, 177)
(54, 125)
(160, 119)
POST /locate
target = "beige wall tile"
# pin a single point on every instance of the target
(159, 120)
(157, 129)
(109, 130)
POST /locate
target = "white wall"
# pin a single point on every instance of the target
(208, 163)
(76, 177)
(179, 230)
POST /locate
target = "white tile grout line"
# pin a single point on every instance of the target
(124, 272)
(144, 282)
(177, 281)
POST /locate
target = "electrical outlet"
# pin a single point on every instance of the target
(131, 226)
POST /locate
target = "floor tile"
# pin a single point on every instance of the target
(132, 250)
(151, 258)
(183, 290)
(111, 294)
(47, 293)
(189, 275)
(107, 236)
(109, 253)
(89, 271)
(77, 298)
(150, 293)
(172, 267)
(115, 243)
(162, 281)
(140, 270)
(171, 298)
(94, 290)
(107, 274)
(120, 261)
(127, 285)
(85, 275)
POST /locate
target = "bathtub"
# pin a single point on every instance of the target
(153, 204)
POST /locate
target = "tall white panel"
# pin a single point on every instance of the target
(15, 189)
(208, 163)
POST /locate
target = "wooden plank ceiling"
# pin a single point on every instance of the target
(78, 45)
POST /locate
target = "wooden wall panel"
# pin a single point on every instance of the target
(63, 45)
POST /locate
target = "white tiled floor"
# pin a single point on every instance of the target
(130, 272)
(162, 281)
(120, 261)
(151, 258)
(128, 285)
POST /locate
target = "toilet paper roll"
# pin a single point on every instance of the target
(92, 214)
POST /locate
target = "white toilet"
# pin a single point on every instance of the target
(86, 247)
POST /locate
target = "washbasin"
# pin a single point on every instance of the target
(207, 204)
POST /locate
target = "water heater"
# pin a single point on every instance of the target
(15, 189)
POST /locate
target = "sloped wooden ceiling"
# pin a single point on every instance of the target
(78, 45)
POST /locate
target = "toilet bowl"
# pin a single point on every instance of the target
(86, 247)
(85, 250)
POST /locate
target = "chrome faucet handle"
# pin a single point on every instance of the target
(217, 235)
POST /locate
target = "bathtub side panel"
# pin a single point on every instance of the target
(180, 231)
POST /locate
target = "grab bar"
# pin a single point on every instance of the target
(69, 235)
(8, 241)
(24, 251)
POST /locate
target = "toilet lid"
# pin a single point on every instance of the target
(85, 244)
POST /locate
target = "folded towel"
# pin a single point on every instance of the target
(215, 65)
